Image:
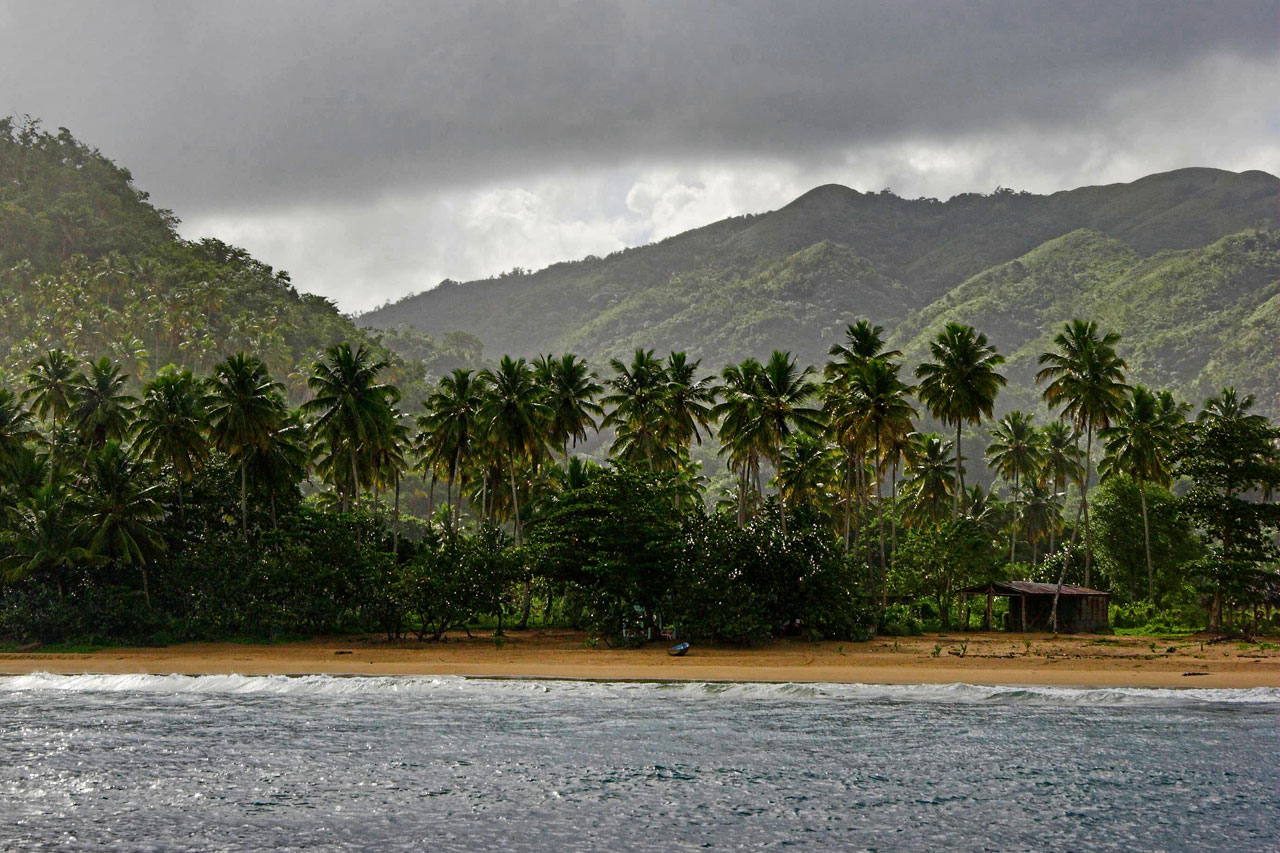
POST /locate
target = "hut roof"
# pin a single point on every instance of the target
(1029, 588)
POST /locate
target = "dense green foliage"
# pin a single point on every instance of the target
(1174, 262)
(190, 448)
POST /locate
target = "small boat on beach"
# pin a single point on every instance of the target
(678, 651)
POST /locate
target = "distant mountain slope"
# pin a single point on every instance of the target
(1148, 257)
(1191, 319)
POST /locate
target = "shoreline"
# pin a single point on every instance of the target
(1087, 661)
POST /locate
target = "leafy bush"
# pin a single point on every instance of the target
(900, 620)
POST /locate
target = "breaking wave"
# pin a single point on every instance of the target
(329, 685)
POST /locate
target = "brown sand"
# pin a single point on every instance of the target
(1084, 661)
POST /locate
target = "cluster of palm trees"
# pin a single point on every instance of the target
(832, 440)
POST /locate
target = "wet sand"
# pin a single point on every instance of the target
(976, 658)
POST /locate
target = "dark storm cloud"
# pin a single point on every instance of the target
(221, 106)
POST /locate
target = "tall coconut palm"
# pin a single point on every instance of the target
(280, 464)
(862, 341)
(687, 401)
(118, 508)
(450, 424)
(1085, 378)
(1139, 444)
(960, 385)
(1060, 463)
(742, 430)
(1015, 453)
(885, 413)
(515, 415)
(929, 481)
(169, 428)
(785, 393)
(639, 414)
(1041, 515)
(51, 383)
(571, 393)
(245, 410)
(351, 409)
(100, 408)
(807, 470)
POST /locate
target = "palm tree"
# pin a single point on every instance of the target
(245, 411)
(929, 481)
(1139, 444)
(100, 408)
(514, 413)
(280, 464)
(571, 392)
(516, 417)
(687, 400)
(51, 383)
(960, 385)
(862, 341)
(451, 422)
(885, 413)
(1060, 462)
(117, 508)
(16, 427)
(1041, 514)
(785, 392)
(1086, 378)
(806, 470)
(742, 429)
(169, 429)
(351, 409)
(1015, 454)
(639, 414)
(43, 537)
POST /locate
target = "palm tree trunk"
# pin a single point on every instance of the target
(244, 504)
(893, 515)
(355, 481)
(1013, 531)
(955, 511)
(395, 533)
(884, 573)
(146, 589)
(1075, 529)
(1088, 533)
(782, 498)
(848, 500)
(1146, 540)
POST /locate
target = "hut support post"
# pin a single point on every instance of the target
(1023, 599)
(990, 601)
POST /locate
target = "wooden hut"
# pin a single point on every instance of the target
(1080, 610)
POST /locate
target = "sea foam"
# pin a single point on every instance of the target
(329, 685)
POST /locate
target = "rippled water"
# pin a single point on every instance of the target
(238, 763)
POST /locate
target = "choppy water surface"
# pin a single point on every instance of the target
(230, 762)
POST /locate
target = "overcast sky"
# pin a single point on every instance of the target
(373, 149)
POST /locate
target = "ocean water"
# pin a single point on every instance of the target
(438, 764)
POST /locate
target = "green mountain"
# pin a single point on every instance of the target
(1183, 264)
(89, 265)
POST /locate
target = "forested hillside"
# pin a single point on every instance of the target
(1182, 263)
(89, 266)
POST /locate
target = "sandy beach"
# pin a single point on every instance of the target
(1083, 661)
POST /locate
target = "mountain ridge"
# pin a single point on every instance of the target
(792, 277)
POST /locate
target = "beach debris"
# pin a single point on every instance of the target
(343, 652)
(1195, 673)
